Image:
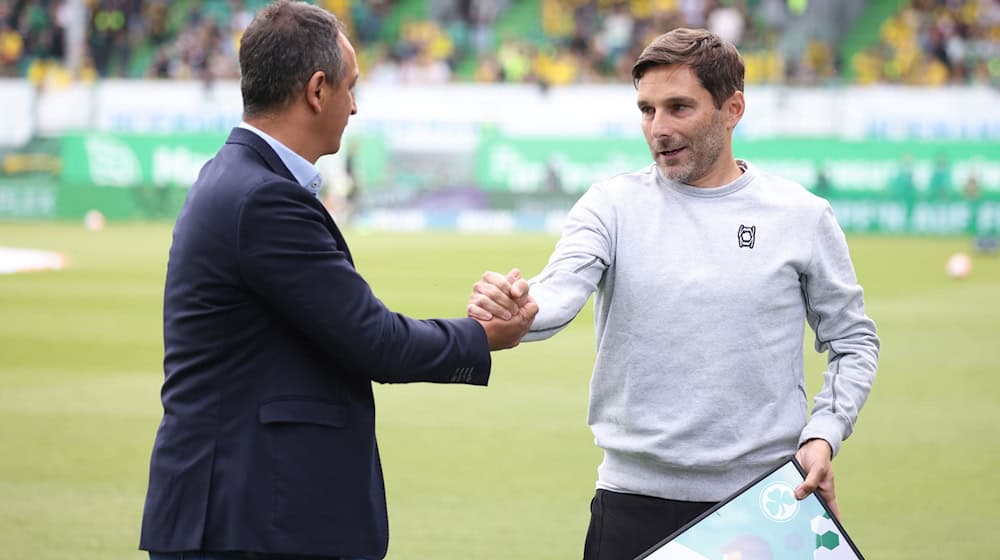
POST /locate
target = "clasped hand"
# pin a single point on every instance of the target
(503, 307)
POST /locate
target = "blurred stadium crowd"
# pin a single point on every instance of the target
(551, 42)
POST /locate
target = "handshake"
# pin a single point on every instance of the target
(503, 307)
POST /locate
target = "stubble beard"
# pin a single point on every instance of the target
(703, 153)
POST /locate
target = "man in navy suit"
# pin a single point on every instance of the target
(272, 340)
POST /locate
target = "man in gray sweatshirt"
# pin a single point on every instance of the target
(705, 269)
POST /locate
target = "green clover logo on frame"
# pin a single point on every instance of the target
(778, 503)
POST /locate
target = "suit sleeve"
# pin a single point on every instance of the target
(576, 267)
(288, 257)
(836, 312)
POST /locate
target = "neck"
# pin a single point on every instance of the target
(283, 128)
(726, 171)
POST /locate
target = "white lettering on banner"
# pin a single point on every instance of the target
(27, 202)
(892, 217)
(507, 166)
(171, 106)
(177, 165)
(915, 130)
(576, 177)
(868, 215)
(144, 121)
(940, 218)
(986, 173)
(112, 162)
(912, 113)
(521, 175)
(802, 172)
(861, 174)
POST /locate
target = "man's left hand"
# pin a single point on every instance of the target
(815, 456)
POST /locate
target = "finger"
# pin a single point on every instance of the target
(529, 310)
(518, 286)
(496, 279)
(477, 312)
(519, 290)
(498, 295)
(492, 307)
(831, 502)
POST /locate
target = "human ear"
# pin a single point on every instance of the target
(734, 108)
(314, 91)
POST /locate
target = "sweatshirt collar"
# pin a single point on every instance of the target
(709, 192)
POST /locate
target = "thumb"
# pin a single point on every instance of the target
(809, 485)
(518, 287)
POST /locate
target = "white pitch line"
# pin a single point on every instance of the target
(14, 260)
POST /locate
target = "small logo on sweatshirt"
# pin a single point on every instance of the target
(747, 236)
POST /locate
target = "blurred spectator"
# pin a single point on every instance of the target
(109, 35)
(727, 20)
(927, 42)
(382, 66)
(822, 185)
(515, 61)
(11, 44)
(423, 68)
(940, 184)
(902, 187)
(936, 42)
(488, 70)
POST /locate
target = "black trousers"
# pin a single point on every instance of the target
(623, 526)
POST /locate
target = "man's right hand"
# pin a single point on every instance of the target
(496, 295)
(503, 307)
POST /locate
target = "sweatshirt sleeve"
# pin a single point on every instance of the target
(836, 312)
(576, 266)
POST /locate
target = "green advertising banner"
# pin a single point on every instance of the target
(534, 164)
(128, 161)
(21, 199)
(831, 167)
(875, 187)
(877, 215)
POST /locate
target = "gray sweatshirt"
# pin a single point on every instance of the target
(702, 298)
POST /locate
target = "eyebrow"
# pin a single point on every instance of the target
(672, 100)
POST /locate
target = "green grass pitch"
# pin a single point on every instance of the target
(497, 473)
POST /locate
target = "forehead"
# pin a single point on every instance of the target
(673, 80)
(349, 57)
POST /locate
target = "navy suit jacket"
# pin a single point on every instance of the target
(271, 343)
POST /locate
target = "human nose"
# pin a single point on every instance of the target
(662, 125)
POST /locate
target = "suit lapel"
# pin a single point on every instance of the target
(247, 138)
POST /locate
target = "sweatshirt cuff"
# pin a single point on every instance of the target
(827, 428)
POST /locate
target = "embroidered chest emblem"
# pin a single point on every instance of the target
(746, 236)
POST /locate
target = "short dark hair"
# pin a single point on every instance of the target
(716, 62)
(284, 45)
